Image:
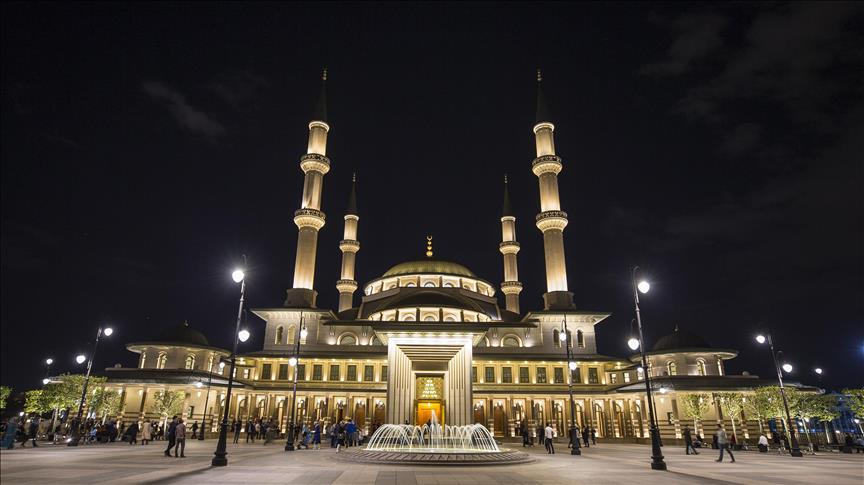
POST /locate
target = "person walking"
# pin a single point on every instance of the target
(172, 437)
(523, 430)
(250, 431)
(146, 432)
(132, 432)
(548, 434)
(586, 436)
(236, 426)
(723, 443)
(688, 441)
(541, 434)
(180, 439)
(34, 430)
(593, 436)
(316, 436)
(195, 430)
(334, 435)
(350, 433)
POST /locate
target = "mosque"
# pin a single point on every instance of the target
(431, 336)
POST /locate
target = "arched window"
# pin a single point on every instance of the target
(430, 318)
(391, 286)
(640, 373)
(348, 339)
(569, 339)
(391, 318)
(580, 339)
(672, 367)
(292, 334)
(143, 359)
(210, 363)
(429, 284)
(189, 363)
(700, 367)
(161, 360)
(556, 337)
(510, 341)
(375, 340)
(408, 318)
(448, 284)
(410, 284)
(279, 334)
(449, 318)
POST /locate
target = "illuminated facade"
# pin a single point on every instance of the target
(430, 336)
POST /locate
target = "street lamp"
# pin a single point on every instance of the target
(220, 455)
(243, 335)
(793, 440)
(657, 462)
(76, 424)
(207, 397)
(818, 371)
(571, 364)
(301, 334)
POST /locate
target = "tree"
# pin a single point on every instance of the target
(694, 406)
(732, 404)
(168, 403)
(855, 401)
(105, 403)
(4, 395)
(821, 407)
(764, 404)
(34, 402)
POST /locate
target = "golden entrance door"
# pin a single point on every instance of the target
(425, 410)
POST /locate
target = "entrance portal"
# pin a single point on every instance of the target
(425, 410)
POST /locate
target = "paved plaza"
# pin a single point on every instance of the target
(257, 463)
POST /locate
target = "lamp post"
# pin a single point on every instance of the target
(790, 426)
(76, 424)
(220, 455)
(295, 361)
(571, 365)
(657, 462)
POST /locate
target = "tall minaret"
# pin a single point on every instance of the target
(349, 245)
(511, 287)
(309, 218)
(551, 219)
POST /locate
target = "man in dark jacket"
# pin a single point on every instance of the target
(688, 441)
(586, 436)
(34, 429)
(171, 435)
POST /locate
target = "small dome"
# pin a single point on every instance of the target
(433, 266)
(184, 334)
(680, 339)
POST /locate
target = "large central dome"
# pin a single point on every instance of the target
(429, 266)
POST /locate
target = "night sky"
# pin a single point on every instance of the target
(146, 147)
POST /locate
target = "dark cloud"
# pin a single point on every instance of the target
(698, 36)
(186, 115)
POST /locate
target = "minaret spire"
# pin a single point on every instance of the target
(511, 287)
(309, 218)
(349, 245)
(551, 220)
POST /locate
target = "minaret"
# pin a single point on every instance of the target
(511, 287)
(309, 218)
(551, 219)
(349, 245)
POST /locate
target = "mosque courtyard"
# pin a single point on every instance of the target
(258, 463)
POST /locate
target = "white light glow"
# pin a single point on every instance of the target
(572, 365)
(562, 336)
(199, 384)
(221, 365)
(243, 335)
(633, 343)
(787, 367)
(760, 338)
(292, 361)
(49, 361)
(238, 275)
(46, 381)
(108, 331)
(643, 286)
(818, 370)
(663, 390)
(304, 333)
(80, 359)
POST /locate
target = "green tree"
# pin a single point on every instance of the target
(694, 406)
(763, 403)
(820, 407)
(168, 403)
(105, 403)
(35, 403)
(855, 401)
(732, 404)
(4, 396)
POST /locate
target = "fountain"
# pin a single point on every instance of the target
(434, 444)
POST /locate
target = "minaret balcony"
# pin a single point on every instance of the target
(546, 164)
(346, 286)
(313, 162)
(542, 125)
(509, 247)
(549, 220)
(349, 246)
(511, 287)
(309, 218)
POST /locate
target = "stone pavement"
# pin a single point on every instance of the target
(254, 464)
